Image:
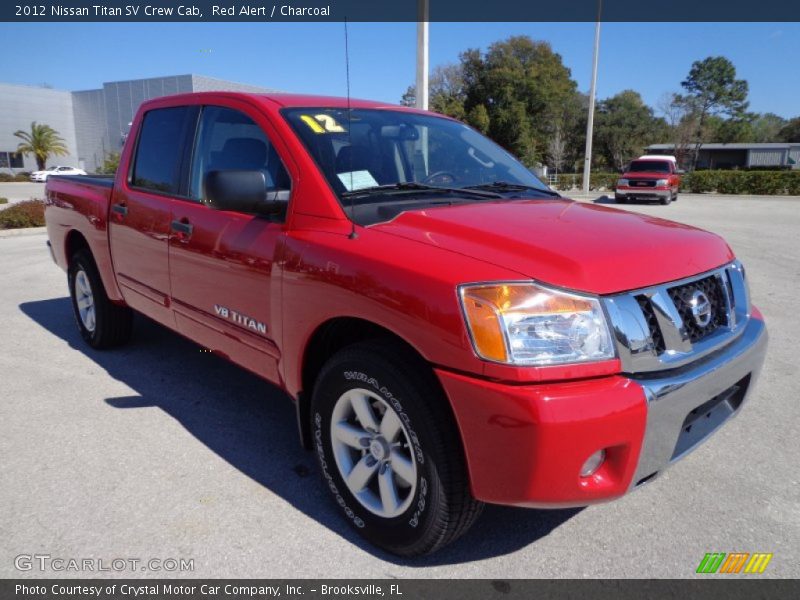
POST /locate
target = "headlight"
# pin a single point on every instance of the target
(529, 324)
(623, 182)
(662, 182)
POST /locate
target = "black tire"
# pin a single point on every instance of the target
(441, 505)
(666, 200)
(620, 200)
(113, 324)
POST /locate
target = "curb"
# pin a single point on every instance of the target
(4, 233)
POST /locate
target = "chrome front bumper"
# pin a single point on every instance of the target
(643, 192)
(690, 403)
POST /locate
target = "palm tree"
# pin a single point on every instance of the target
(42, 141)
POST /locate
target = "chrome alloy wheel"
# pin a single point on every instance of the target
(85, 300)
(373, 452)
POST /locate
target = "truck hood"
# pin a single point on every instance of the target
(568, 244)
(645, 175)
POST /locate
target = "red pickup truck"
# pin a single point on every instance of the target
(649, 179)
(451, 331)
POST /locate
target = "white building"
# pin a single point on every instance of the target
(92, 123)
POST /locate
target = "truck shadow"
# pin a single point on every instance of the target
(251, 425)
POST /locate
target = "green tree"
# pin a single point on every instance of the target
(42, 141)
(681, 124)
(479, 118)
(712, 89)
(523, 86)
(625, 125)
(573, 119)
(766, 127)
(790, 132)
(729, 131)
(110, 163)
(445, 89)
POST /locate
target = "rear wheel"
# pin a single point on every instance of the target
(389, 450)
(101, 323)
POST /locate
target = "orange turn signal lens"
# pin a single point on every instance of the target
(485, 326)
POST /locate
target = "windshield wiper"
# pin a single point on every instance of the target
(507, 186)
(413, 186)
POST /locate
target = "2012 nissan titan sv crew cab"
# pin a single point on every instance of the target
(451, 331)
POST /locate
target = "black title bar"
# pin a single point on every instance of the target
(399, 10)
(731, 588)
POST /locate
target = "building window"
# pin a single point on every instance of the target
(10, 160)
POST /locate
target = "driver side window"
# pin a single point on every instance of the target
(229, 140)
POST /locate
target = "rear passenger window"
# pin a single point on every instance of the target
(231, 141)
(160, 148)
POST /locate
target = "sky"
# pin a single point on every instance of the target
(651, 58)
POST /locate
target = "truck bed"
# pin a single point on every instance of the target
(95, 180)
(79, 204)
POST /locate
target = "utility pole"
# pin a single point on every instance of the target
(587, 161)
(422, 55)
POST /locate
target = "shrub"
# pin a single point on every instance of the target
(9, 177)
(792, 180)
(743, 182)
(758, 182)
(3, 200)
(110, 164)
(731, 182)
(23, 214)
(699, 182)
(597, 181)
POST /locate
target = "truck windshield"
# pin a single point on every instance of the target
(375, 155)
(653, 166)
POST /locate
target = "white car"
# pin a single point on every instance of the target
(42, 175)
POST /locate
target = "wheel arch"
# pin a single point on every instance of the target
(73, 242)
(76, 240)
(335, 334)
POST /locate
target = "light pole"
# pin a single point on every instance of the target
(587, 161)
(422, 55)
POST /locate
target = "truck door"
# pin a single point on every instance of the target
(139, 223)
(223, 263)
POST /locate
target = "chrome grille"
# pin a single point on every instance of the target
(652, 323)
(655, 328)
(642, 182)
(682, 298)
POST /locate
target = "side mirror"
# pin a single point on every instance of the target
(244, 191)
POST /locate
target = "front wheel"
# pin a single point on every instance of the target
(389, 450)
(101, 323)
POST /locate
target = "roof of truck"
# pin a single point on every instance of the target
(300, 100)
(285, 100)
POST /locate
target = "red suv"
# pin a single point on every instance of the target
(649, 179)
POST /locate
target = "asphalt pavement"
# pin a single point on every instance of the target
(18, 191)
(160, 451)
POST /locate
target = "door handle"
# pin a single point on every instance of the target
(182, 228)
(120, 209)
